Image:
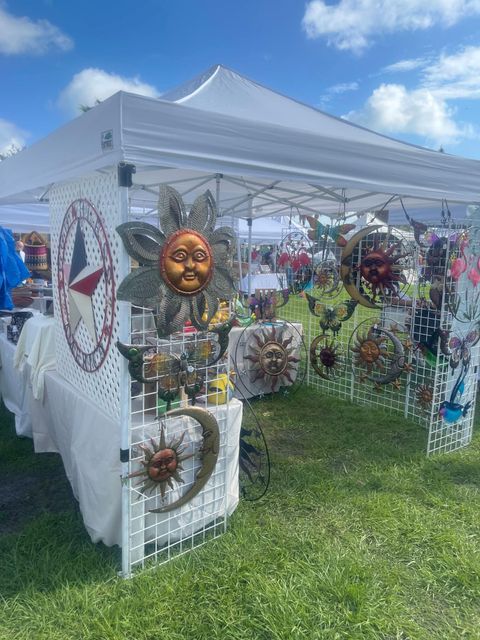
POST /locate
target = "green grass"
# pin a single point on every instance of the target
(360, 536)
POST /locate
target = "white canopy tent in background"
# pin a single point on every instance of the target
(266, 154)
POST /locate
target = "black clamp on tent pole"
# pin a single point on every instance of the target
(124, 455)
(125, 173)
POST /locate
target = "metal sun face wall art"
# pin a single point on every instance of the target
(378, 266)
(184, 267)
(272, 358)
(162, 461)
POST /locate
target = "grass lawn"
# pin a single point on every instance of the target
(360, 536)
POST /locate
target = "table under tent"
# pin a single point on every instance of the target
(378, 339)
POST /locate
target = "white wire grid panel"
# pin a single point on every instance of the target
(101, 385)
(155, 538)
(426, 380)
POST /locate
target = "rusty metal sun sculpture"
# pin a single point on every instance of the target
(424, 396)
(272, 358)
(184, 267)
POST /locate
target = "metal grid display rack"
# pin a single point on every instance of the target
(89, 264)
(433, 347)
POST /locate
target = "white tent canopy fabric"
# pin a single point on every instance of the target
(275, 155)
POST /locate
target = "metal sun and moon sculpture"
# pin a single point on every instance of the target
(373, 266)
(162, 462)
(183, 270)
(182, 275)
(378, 354)
(86, 285)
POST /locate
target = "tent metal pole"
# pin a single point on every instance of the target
(249, 222)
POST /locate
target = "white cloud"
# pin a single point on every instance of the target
(22, 35)
(428, 109)
(10, 136)
(90, 85)
(402, 66)
(455, 76)
(354, 24)
(394, 109)
(342, 87)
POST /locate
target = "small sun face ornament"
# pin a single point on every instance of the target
(161, 464)
(424, 396)
(184, 267)
(326, 357)
(271, 357)
(327, 278)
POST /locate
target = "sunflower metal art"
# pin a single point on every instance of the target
(327, 357)
(184, 267)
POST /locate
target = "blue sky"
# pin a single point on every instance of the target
(408, 68)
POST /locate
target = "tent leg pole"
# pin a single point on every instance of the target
(249, 279)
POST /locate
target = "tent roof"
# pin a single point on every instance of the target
(275, 155)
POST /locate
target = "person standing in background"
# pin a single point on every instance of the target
(19, 246)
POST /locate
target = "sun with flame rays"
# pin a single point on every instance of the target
(272, 358)
(381, 266)
(161, 464)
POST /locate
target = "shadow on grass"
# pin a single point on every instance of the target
(43, 542)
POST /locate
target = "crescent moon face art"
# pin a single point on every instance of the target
(378, 265)
(162, 461)
(272, 357)
(378, 355)
(327, 357)
(183, 270)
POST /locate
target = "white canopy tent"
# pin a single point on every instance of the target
(265, 153)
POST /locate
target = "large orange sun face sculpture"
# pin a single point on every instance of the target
(186, 262)
(272, 358)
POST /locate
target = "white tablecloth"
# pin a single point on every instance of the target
(36, 347)
(15, 388)
(276, 281)
(89, 442)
